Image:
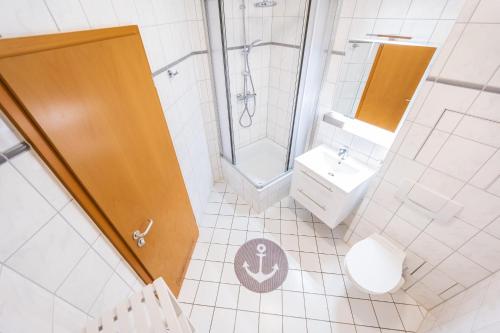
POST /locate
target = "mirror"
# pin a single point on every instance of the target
(377, 80)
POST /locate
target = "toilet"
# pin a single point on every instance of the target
(375, 265)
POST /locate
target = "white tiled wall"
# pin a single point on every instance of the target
(449, 144)
(55, 266)
(475, 310)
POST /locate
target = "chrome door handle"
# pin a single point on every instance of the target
(139, 236)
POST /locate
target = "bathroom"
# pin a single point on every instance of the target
(295, 166)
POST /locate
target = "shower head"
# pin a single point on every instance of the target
(265, 3)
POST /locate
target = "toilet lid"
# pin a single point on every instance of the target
(374, 266)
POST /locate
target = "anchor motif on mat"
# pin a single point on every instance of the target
(260, 276)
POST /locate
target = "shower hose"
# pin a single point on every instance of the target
(247, 75)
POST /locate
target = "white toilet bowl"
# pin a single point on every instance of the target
(375, 265)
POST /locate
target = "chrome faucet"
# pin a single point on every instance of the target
(343, 152)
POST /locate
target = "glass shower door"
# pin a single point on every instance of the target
(263, 43)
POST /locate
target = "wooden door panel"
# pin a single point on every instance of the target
(96, 105)
(394, 77)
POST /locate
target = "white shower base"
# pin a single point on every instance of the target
(259, 174)
(261, 161)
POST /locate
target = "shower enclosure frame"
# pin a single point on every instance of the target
(220, 38)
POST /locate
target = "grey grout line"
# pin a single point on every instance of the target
(53, 294)
(193, 53)
(278, 235)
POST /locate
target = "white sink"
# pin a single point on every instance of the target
(344, 174)
(329, 186)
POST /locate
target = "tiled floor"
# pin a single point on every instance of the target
(316, 297)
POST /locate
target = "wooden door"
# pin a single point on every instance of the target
(90, 97)
(393, 79)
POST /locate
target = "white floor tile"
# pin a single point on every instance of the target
(269, 323)
(303, 215)
(293, 281)
(353, 291)
(207, 293)
(201, 317)
(339, 309)
(293, 258)
(188, 291)
(228, 275)
(290, 242)
(322, 230)
(237, 237)
(307, 244)
(227, 209)
(288, 214)
(305, 228)
(224, 221)
(316, 307)
(326, 246)
(293, 304)
(310, 262)
(273, 226)
(313, 282)
(231, 252)
(330, 263)
(228, 296)
(248, 300)
(271, 302)
(343, 328)
(209, 220)
(288, 227)
(195, 269)
(362, 312)
(255, 224)
(317, 326)
(212, 271)
(200, 251)
(230, 198)
(216, 252)
(220, 236)
(410, 315)
(242, 210)
(334, 285)
(247, 322)
(365, 329)
(341, 247)
(272, 213)
(294, 325)
(387, 315)
(205, 235)
(240, 223)
(223, 321)
(212, 208)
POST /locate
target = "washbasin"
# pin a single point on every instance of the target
(329, 186)
(345, 175)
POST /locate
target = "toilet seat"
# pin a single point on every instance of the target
(375, 265)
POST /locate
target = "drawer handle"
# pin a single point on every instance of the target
(317, 181)
(314, 201)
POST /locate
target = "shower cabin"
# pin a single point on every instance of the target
(267, 62)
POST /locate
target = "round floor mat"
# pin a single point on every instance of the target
(261, 265)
